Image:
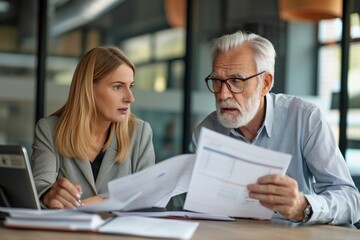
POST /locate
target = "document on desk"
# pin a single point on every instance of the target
(107, 205)
(150, 227)
(156, 184)
(63, 220)
(178, 215)
(223, 168)
(52, 220)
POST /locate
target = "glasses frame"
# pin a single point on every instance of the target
(243, 80)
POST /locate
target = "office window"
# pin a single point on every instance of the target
(159, 61)
(169, 43)
(329, 82)
(152, 77)
(138, 49)
(17, 73)
(158, 58)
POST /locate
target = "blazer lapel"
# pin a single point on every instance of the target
(85, 168)
(107, 163)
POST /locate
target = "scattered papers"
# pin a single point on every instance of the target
(224, 167)
(151, 187)
(150, 227)
(179, 215)
(107, 205)
(78, 221)
(157, 184)
(53, 220)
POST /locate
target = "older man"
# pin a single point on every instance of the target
(317, 187)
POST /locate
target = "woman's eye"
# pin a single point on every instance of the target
(117, 87)
(132, 86)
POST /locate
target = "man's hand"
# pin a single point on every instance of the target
(280, 194)
(63, 194)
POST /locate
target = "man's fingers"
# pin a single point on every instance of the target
(275, 185)
(277, 179)
(271, 189)
(273, 199)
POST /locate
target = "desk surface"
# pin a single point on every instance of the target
(241, 229)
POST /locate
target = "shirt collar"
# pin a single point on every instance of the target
(270, 114)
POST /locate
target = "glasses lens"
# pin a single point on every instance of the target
(214, 85)
(236, 85)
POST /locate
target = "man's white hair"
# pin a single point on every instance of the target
(264, 52)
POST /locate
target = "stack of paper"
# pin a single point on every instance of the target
(178, 215)
(66, 220)
(53, 219)
(150, 227)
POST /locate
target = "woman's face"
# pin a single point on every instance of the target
(113, 94)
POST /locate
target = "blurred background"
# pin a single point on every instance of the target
(41, 41)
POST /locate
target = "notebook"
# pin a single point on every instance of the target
(17, 188)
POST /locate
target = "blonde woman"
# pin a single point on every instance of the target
(93, 138)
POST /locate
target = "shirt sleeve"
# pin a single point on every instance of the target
(336, 199)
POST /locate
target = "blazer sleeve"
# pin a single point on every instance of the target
(44, 158)
(145, 156)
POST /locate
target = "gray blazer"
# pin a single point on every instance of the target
(47, 161)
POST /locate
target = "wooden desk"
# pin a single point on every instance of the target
(241, 229)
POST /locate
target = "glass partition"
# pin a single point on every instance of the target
(329, 82)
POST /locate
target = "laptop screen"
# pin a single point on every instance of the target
(17, 188)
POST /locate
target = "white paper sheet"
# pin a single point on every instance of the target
(108, 205)
(178, 214)
(31, 211)
(150, 227)
(52, 219)
(224, 167)
(64, 220)
(157, 184)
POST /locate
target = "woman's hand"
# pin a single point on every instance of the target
(63, 194)
(92, 200)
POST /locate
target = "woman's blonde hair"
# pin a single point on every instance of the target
(73, 136)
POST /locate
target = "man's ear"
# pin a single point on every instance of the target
(267, 84)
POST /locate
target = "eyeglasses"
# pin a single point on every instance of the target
(234, 84)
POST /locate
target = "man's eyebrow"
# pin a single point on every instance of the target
(237, 75)
(233, 75)
(214, 75)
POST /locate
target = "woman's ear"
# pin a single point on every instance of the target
(267, 83)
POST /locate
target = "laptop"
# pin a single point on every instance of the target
(17, 188)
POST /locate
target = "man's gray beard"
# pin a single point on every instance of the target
(246, 113)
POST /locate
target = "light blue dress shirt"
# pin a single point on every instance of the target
(297, 127)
